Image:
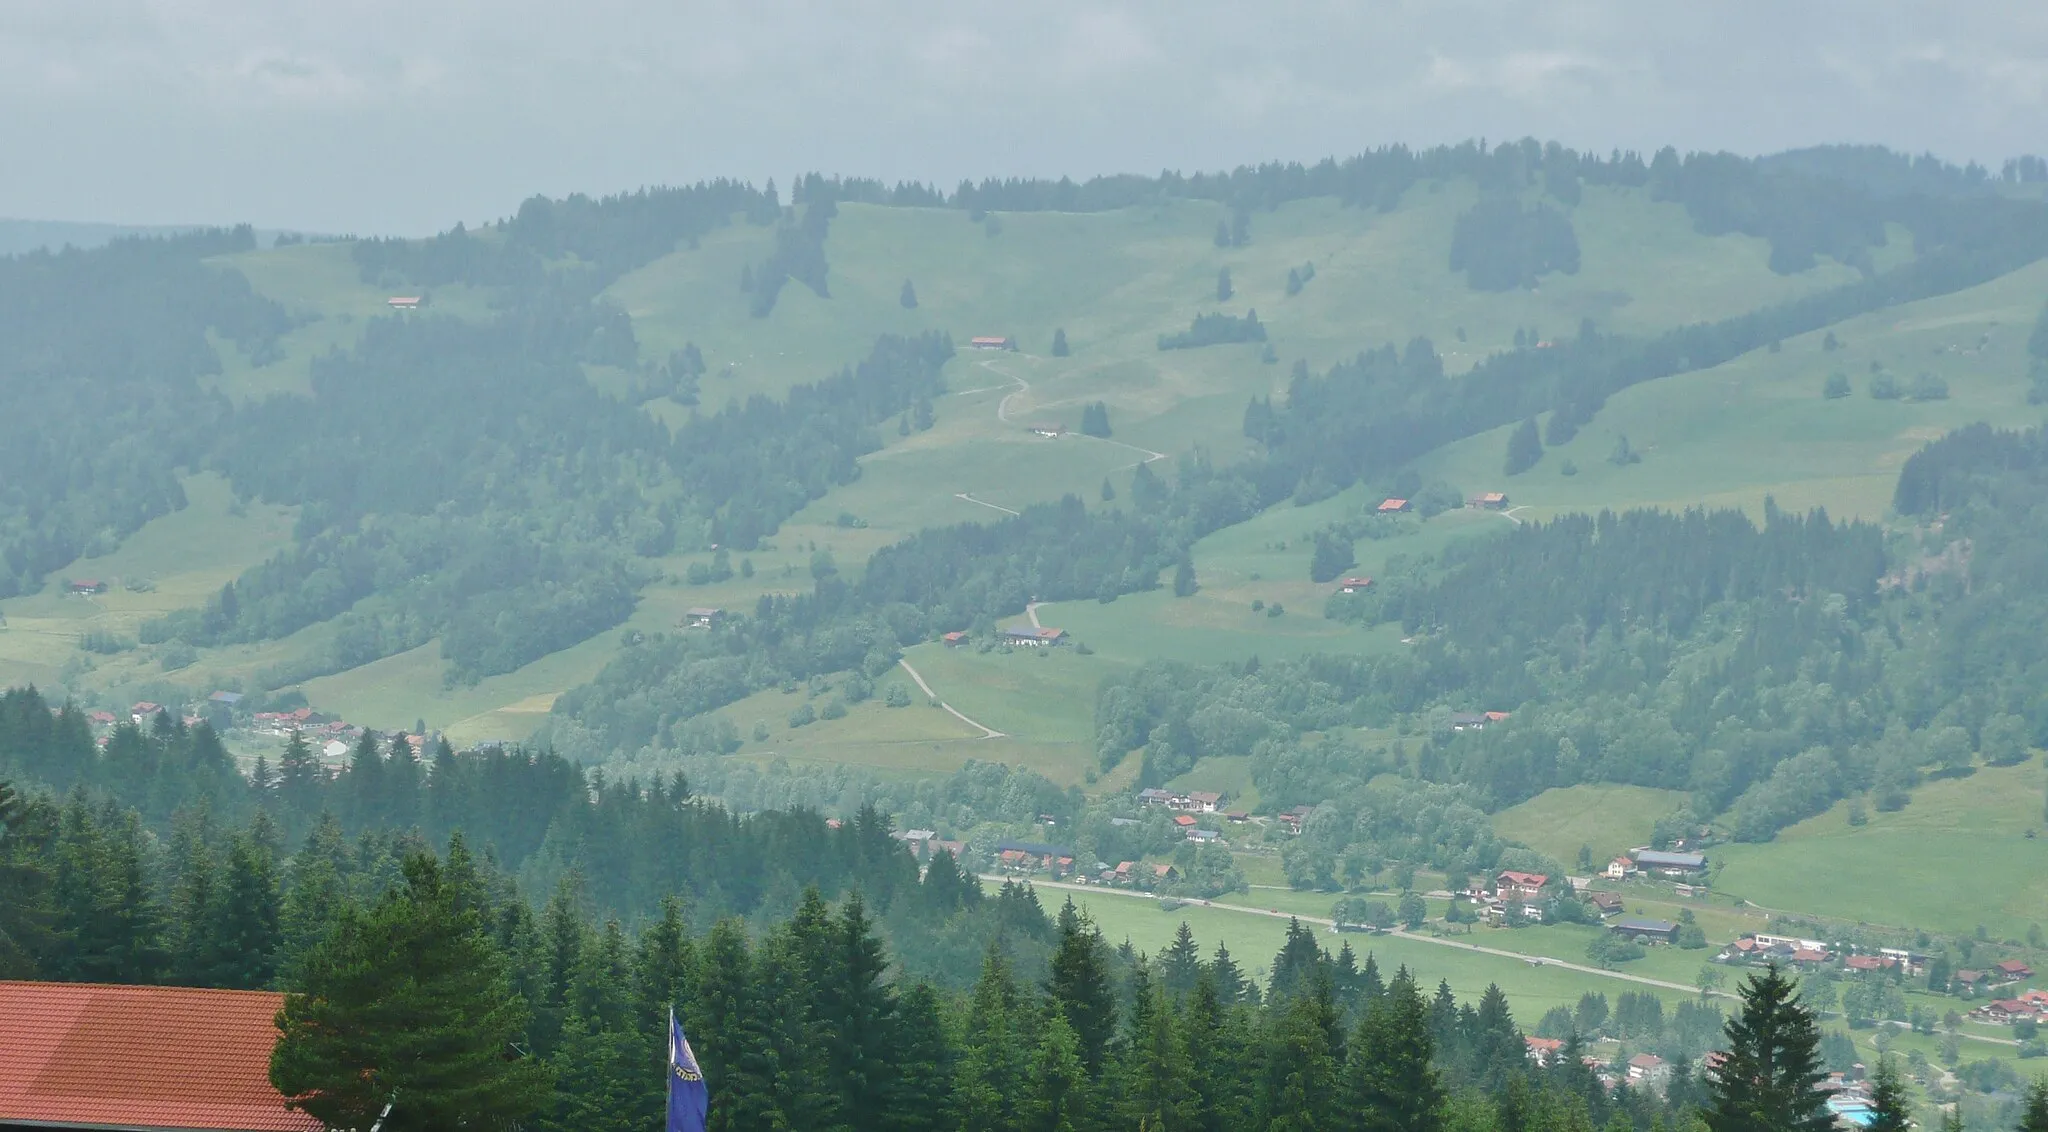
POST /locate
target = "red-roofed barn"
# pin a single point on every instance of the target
(82, 1055)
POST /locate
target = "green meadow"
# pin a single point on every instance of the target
(1967, 851)
(1607, 819)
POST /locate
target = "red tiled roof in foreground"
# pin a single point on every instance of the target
(85, 1055)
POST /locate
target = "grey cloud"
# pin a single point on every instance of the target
(380, 115)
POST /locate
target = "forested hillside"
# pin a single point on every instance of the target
(597, 426)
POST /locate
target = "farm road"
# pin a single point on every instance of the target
(987, 731)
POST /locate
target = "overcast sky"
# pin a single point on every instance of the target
(403, 116)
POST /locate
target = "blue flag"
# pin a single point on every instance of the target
(688, 1097)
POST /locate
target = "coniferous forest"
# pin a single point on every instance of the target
(473, 1005)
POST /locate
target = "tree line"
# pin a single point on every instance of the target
(426, 982)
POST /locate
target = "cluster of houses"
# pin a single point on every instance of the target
(1815, 955)
(1185, 805)
(330, 737)
(1034, 857)
(1849, 1099)
(2029, 1005)
(926, 843)
(1643, 1071)
(1135, 874)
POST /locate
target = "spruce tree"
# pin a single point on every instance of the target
(993, 1069)
(1078, 982)
(26, 916)
(1770, 1079)
(1299, 1078)
(908, 297)
(319, 891)
(728, 1030)
(1184, 579)
(1057, 1097)
(2034, 1113)
(921, 1096)
(1390, 1084)
(244, 924)
(408, 1003)
(1294, 967)
(1108, 490)
(1218, 1059)
(602, 1062)
(561, 942)
(859, 1012)
(1525, 448)
(1180, 965)
(1890, 1109)
(1156, 1071)
(106, 911)
(1223, 288)
(1231, 985)
(1059, 342)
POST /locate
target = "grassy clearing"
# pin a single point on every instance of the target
(1960, 855)
(1610, 819)
(182, 559)
(1228, 775)
(1758, 426)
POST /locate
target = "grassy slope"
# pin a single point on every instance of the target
(1114, 282)
(1758, 425)
(1963, 853)
(185, 556)
(1610, 819)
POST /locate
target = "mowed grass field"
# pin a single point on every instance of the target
(181, 559)
(1758, 425)
(1608, 819)
(1966, 851)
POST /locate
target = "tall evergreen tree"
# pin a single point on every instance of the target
(1180, 965)
(859, 1011)
(602, 1064)
(1525, 448)
(729, 1032)
(1390, 1084)
(993, 1070)
(1059, 342)
(1223, 288)
(1078, 981)
(2034, 1111)
(107, 914)
(26, 917)
(921, 1099)
(407, 1003)
(1184, 576)
(244, 924)
(1058, 1093)
(1890, 1108)
(1770, 1079)
(318, 892)
(908, 297)
(1299, 1069)
(1156, 1073)
(1231, 985)
(1295, 966)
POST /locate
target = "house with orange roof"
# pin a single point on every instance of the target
(86, 1055)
